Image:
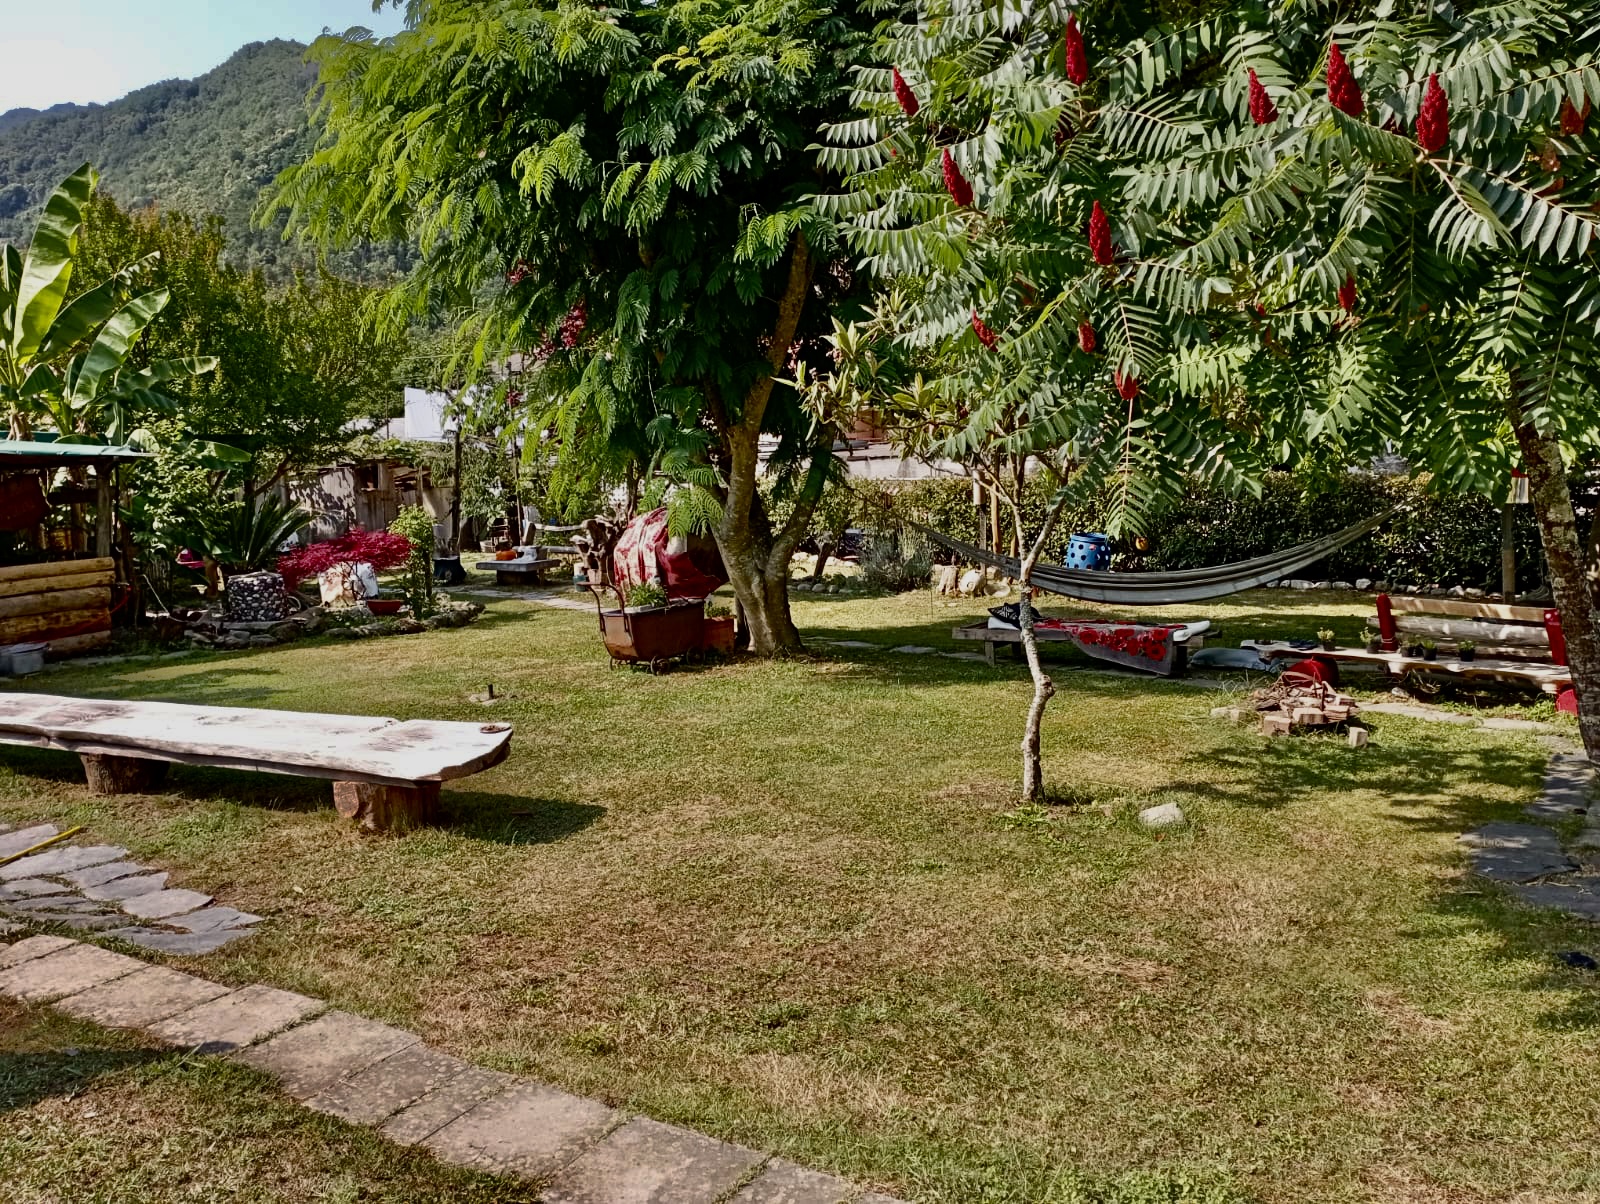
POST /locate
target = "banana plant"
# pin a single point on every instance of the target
(64, 364)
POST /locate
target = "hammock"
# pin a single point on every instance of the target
(1165, 589)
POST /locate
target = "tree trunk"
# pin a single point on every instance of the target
(825, 546)
(1044, 687)
(764, 603)
(756, 557)
(1558, 528)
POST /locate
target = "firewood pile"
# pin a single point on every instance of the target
(1298, 700)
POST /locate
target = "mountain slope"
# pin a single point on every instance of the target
(207, 145)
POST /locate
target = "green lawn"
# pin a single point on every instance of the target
(795, 905)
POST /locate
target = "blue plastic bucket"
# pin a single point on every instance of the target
(1088, 552)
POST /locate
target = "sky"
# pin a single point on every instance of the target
(98, 50)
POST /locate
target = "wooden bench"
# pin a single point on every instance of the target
(386, 774)
(1519, 644)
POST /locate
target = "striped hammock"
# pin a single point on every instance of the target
(1165, 589)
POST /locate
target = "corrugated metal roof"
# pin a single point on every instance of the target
(35, 453)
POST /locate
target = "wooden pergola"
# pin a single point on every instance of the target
(38, 455)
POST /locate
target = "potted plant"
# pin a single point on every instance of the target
(1466, 650)
(718, 633)
(647, 595)
(1371, 640)
(1430, 650)
(387, 604)
(1325, 638)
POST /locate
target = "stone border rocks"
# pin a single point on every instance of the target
(581, 1151)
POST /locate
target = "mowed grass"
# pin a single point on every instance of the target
(795, 905)
(93, 1117)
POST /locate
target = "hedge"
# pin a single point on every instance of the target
(1439, 538)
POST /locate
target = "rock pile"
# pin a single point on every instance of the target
(213, 629)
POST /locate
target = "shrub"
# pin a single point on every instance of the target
(897, 563)
(415, 526)
(383, 550)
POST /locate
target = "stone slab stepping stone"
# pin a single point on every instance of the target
(646, 1161)
(852, 644)
(955, 656)
(183, 944)
(127, 888)
(439, 1107)
(34, 946)
(782, 1182)
(371, 1096)
(28, 888)
(54, 905)
(1579, 896)
(231, 1022)
(89, 923)
(913, 649)
(159, 904)
(60, 860)
(12, 843)
(214, 919)
(529, 1130)
(99, 875)
(1516, 852)
(142, 998)
(1416, 712)
(65, 972)
(313, 1056)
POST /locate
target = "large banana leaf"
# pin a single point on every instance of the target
(86, 312)
(47, 267)
(115, 340)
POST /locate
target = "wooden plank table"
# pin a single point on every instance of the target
(386, 773)
(1552, 679)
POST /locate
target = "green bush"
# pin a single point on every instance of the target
(416, 525)
(1446, 539)
(897, 562)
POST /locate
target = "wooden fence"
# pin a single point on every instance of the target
(65, 604)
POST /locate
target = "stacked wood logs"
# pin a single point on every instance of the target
(1301, 701)
(64, 604)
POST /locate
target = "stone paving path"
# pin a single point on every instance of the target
(1529, 857)
(95, 888)
(580, 1150)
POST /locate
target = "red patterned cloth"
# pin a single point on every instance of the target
(646, 553)
(1131, 639)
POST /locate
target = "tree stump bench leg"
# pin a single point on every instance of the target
(387, 808)
(122, 775)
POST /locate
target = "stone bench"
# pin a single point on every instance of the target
(386, 773)
(519, 571)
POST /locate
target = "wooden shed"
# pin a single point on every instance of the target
(67, 603)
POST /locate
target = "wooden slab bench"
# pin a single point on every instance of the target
(386, 773)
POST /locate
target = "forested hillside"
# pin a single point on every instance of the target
(206, 145)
